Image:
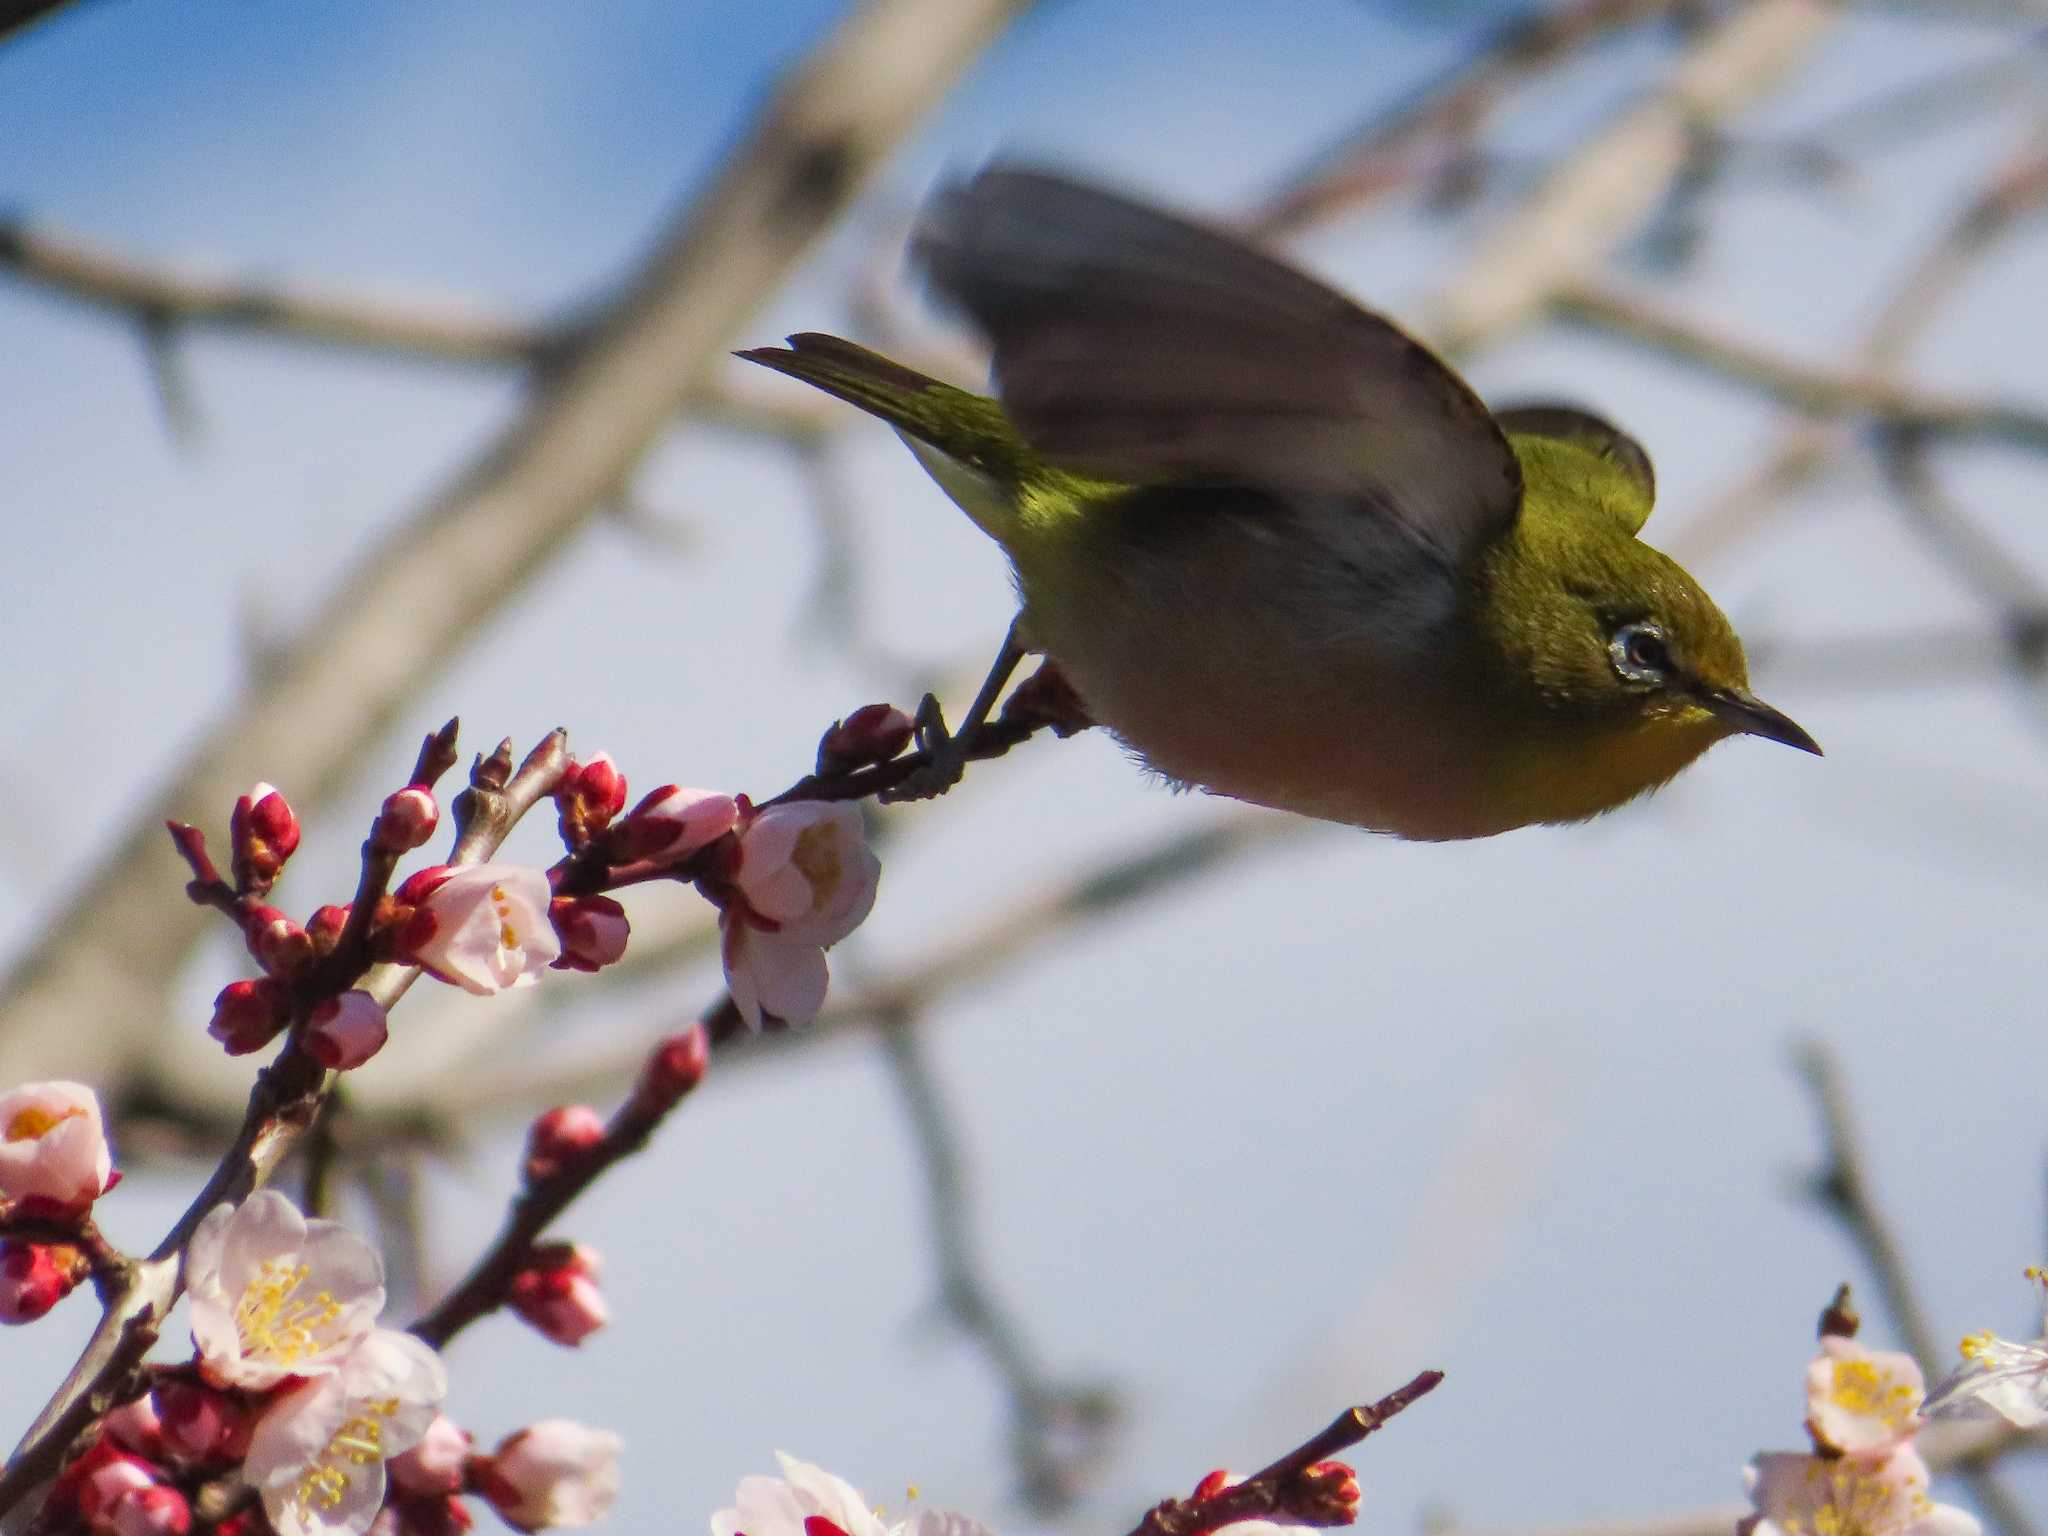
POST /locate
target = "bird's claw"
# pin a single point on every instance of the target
(945, 763)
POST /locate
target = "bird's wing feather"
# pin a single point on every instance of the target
(1138, 346)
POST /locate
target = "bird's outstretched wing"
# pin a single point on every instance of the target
(1139, 346)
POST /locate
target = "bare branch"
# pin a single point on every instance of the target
(1812, 389)
(19, 15)
(1605, 190)
(1441, 117)
(111, 951)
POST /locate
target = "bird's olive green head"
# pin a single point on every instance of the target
(1588, 625)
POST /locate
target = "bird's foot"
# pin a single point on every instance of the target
(945, 758)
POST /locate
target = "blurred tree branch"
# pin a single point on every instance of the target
(116, 945)
(19, 15)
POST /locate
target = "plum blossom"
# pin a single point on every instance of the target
(482, 927)
(275, 1295)
(786, 1506)
(54, 1157)
(593, 931)
(318, 1453)
(555, 1472)
(1999, 1376)
(1859, 1401)
(805, 879)
(1796, 1495)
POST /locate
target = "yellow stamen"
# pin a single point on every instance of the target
(1861, 1388)
(358, 1443)
(275, 1323)
(1975, 1344)
(816, 856)
(34, 1122)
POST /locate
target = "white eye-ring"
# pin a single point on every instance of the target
(1640, 654)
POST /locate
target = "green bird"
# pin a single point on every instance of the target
(1281, 550)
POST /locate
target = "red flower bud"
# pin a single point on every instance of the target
(673, 1068)
(158, 1510)
(34, 1277)
(278, 944)
(202, 1424)
(559, 1138)
(589, 795)
(324, 928)
(558, 1295)
(346, 1031)
(247, 1015)
(874, 733)
(408, 818)
(671, 823)
(264, 833)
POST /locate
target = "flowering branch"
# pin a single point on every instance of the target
(282, 1104)
(1303, 1486)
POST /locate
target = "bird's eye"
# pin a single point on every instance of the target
(1640, 653)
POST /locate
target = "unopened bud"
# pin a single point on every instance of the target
(435, 1465)
(158, 1510)
(588, 796)
(593, 931)
(408, 818)
(113, 1474)
(324, 928)
(247, 1015)
(136, 1427)
(278, 944)
(874, 733)
(558, 1293)
(202, 1424)
(264, 833)
(346, 1031)
(559, 1138)
(671, 823)
(673, 1068)
(34, 1277)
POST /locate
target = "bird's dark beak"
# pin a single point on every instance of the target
(1753, 717)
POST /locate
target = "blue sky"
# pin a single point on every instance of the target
(1518, 1109)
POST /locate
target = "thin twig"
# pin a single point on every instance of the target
(1058, 1431)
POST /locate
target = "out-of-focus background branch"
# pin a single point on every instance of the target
(1233, 1089)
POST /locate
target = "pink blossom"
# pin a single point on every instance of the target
(275, 1295)
(785, 1506)
(805, 879)
(558, 1294)
(1860, 1401)
(346, 1031)
(435, 1465)
(1998, 1376)
(54, 1157)
(671, 823)
(482, 927)
(1796, 1495)
(318, 1454)
(592, 929)
(553, 1473)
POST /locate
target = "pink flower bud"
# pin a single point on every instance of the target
(592, 929)
(34, 1277)
(54, 1157)
(136, 1427)
(874, 733)
(264, 833)
(158, 1510)
(552, 1473)
(672, 823)
(278, 944)
(201, 1424)
(559, 1138)
(436, 1464)
(407, 820)
(247, 1015)
(673, 1068)
(346, 1031)
(558, 1294)
(422, 883)
(114, 1476)
(589, 795)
